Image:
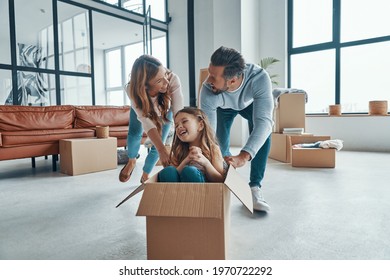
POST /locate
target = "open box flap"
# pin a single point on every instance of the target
(239, 187)
(152, 179)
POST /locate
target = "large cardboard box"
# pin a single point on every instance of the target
(281, 146)
(189, 221)
(86, 155)
(312, 157)
(290, 111)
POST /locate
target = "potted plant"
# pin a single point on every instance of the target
(267, 62)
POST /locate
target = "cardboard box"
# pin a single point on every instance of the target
(281, 146)
(86, 155)
(312, 157)
(190, 221)
(290, 111)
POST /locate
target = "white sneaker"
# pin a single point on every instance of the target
(259, 203)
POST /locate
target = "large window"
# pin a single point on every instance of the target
(73, 33)
(339, 52)
(67, 52)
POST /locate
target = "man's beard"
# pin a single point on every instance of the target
(219, 91)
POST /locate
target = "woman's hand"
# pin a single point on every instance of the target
(164, 157)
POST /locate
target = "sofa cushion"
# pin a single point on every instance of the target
(119, 131)
(24, 118)
(35, 137)
(91, 116)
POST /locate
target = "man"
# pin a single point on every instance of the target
(235, 88)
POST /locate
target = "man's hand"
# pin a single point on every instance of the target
(239, 160)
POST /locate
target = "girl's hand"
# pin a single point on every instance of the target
(196, 155)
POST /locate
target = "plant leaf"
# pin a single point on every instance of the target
(268, 61)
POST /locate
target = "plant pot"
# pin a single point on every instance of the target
(378, 107)
(335, 110)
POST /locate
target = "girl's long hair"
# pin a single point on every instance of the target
(208, 140)
(144, 69)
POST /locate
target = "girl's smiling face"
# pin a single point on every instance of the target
(188, 127)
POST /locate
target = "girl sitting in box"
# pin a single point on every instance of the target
(195, 155)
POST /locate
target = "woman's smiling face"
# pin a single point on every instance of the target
(159, 83)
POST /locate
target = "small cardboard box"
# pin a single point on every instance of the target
(290, 111)
(312, 157)
(86, 155)
(281, 146)
(189, 221)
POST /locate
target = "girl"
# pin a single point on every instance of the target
(155, 95)
(195, 154)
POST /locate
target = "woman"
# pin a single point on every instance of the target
(155, 95)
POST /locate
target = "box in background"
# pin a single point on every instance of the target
(86, 155)
(290, 111)
(190, 221)
(281, 146)
(311, 157)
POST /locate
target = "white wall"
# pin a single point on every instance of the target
(258, 28)
(273, 36)
(359, 133)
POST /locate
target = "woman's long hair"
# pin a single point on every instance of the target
(144, 69)
(208, 141)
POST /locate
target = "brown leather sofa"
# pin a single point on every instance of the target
(29, 132)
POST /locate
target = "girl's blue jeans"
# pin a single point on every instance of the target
(188, 174)
(134, 137)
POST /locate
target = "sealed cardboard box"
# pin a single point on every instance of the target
(290, 111)
(311, 157)
(281, 146)
(189, 221)
(86, 155)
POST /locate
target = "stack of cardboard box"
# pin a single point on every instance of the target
(290, 113)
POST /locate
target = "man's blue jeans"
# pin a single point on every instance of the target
(225, 118)
(134, 137)
(188, 174)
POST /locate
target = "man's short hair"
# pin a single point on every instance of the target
(231, 59)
